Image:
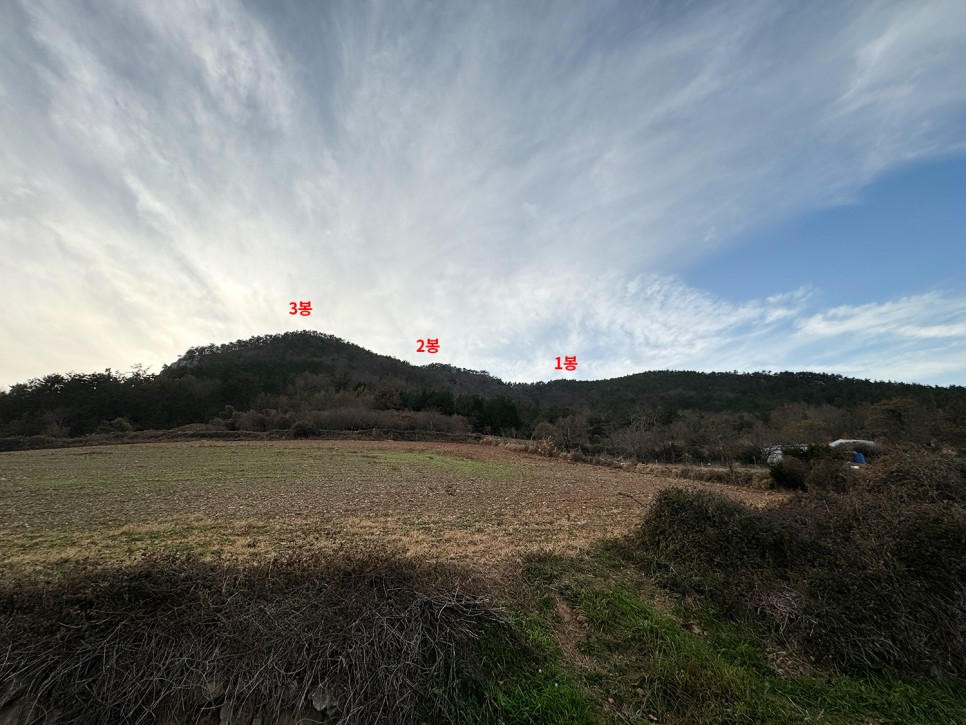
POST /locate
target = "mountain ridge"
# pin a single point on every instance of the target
(322, 381)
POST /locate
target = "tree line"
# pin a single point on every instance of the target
(308, 382)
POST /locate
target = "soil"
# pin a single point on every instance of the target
(475, 503)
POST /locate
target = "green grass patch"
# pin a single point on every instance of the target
(645, 662)
(514, 675)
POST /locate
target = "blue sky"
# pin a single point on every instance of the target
(704, 186)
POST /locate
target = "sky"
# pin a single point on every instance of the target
(643, 185)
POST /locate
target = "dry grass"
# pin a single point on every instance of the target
(451, 501)
(360, 637)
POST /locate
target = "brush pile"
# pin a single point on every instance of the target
(359, 637)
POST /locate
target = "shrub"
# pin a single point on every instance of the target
(813, 452)
(896, 600)
(789, 473)
(701, 543)
(253, 421)
(864, 571)
(544, 431)
(930, 544)
(303, 429)
(282, 421)
(916, 474)
(118, 425)
(830, 475)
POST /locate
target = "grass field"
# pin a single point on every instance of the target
(472, 503)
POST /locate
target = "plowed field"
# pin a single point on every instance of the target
(475, 503)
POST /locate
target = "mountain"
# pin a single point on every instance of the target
(279, 381)
(276, 359)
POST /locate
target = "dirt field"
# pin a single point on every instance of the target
(475, 503)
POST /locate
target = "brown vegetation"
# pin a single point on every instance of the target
(362, 637)
(863, 572)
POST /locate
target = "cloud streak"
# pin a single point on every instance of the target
(522, 181)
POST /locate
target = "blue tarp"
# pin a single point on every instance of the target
(857, 457)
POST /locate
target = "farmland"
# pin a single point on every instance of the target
(470, 503)
(272, 577)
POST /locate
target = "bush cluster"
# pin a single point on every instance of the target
(864, 571)
(356, 419)
(816, 466)
(789, 473)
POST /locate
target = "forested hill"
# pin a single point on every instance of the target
(279, 381)
(755, 393)
(275, 360)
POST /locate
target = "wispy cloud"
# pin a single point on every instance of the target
(931, 315)
(521, 180)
